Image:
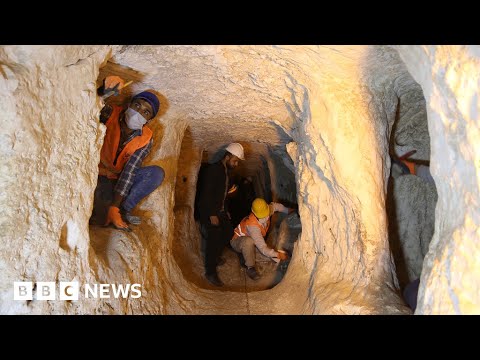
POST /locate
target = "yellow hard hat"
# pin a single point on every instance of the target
(260, 208)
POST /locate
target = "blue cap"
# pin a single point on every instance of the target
(151, 98)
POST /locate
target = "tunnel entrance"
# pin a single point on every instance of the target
(252, 178)
(411, 191)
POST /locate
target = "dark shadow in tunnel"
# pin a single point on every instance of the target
(393, 235)
(218, 155)
(240, 200)
(267, 184)
(198, 194)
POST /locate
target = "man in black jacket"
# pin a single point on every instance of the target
(214, 216)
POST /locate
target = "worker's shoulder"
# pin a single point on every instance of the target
(206, 171)
(215, 167)
(109, 109)
(115, 107)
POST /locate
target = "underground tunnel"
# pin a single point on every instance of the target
(376, 146)
(251, 179)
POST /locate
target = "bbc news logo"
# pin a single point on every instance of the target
(45, 290)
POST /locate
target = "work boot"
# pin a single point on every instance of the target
(131, 219)
(252, 273)
(214, 279)
(221, 261)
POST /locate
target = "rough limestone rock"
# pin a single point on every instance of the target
(410, 200)
(410, 131)
(450, 79)
(415, 201)
(330, 109)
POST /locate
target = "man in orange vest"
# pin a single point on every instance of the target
(251, 232)
(122, 182)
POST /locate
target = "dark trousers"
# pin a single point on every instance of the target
(216, 239)
(146, 179)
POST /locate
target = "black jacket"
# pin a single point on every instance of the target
(212, 191)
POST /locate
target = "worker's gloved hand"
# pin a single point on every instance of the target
(282, 255)
(115, 218)
(114, 83)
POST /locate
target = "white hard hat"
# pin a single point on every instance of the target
(236, 149)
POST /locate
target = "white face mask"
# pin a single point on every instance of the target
(134, 120)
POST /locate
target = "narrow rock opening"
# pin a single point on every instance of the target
(411, 194)
(262, 174)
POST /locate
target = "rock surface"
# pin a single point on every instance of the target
(330, 109)
(449, 77)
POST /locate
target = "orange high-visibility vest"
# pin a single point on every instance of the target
(108, 167)
(250, 220)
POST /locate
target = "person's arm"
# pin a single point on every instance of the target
(125, 181)
(108, 84)
(280, 208)
(255, 233)
(111, 83)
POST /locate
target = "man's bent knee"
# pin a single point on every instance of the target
(158, 174)
(249, 241)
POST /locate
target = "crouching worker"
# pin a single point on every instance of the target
(251, 232)
(122, 182)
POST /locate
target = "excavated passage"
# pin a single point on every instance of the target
(325, 113)
(411, 190)
(189, 244)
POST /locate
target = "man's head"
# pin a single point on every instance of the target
(146, 104)
(260, 208)
(231, 161)
(233, 155)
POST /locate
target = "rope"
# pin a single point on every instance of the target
(246, 293)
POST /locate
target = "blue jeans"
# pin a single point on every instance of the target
(146, 180)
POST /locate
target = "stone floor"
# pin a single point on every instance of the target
(188, 254)
(235, 277)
